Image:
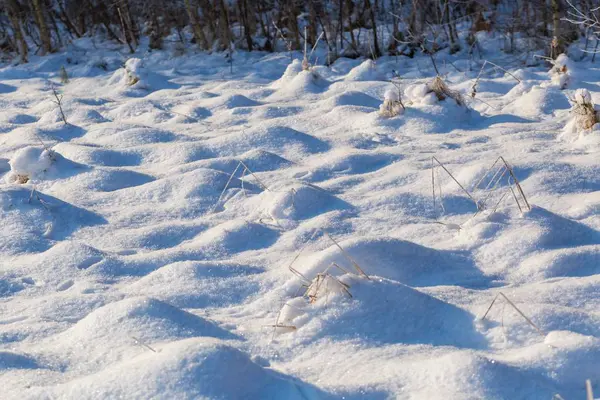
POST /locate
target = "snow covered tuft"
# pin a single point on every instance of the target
(29, 163)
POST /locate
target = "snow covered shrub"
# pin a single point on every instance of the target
(585, 115)
(432, 92)
(561, 70)
(29, 163)
(64, 77)
(442, 91)
(420, 94)
(392, 104)
(133, 68)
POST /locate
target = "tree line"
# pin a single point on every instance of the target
(350, 28)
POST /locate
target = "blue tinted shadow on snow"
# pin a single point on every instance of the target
(64, 133)
(562, 232)
(9, 287)
(487, 122)
(67, 217)
(194, 325)
(352, 164)
(22, 119)
(7, 88)
(388, 312)
(10, 360)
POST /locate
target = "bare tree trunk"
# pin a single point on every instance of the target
(15, 20)
(244, 16)
(376, 50)
(64, 17)
(196, 28)
(43, 27)
(293, 24)
(225, 35)
(545, 18)
(126, 31)
(557, 43)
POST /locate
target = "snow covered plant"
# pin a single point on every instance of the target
(560, 73)
(29, 163)
(585, 114)
(64, 76)
(432, 92)
(392, 104)
(133, 69)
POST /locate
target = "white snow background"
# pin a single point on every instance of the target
(127, 271)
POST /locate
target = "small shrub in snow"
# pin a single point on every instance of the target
(133, 69)
(560, 73)
(29, 163)
(392, 104)
(433, 92)
(442, 91)
(584, 112)
(64, 77)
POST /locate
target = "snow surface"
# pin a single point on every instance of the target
(127, 271)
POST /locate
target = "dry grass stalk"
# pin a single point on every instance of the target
(442, 91)
(245, 170)
(58, 102)
(588, 390)
(474, 87)
(139, 342)
(347, 256)
(529, 321)
(316, 289)
(278, 325)
(492, 183)
(439, 196)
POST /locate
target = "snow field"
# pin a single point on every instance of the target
(146, 255)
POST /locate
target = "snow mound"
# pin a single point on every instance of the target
(91, 155)
(545, 231)
(198, 284)
(395, 259)
(366, 71)
(29, 163)
(131, 137)
(235, 237)
(301, 202)
(537, 103)
(69, 255)
(198, 368)
(386, 312)
(108, 334)
(350, 98)
(107, 180)
(305, 83)
(288, 142)
(569, 262)
(345, 164)
(291, 71)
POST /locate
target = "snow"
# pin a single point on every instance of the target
(159, 245)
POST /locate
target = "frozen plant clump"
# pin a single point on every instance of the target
(134, 70)
(584, 112)
(442, 91)
(585, 116)
(29, 163)
(392, 104)
(561, 71)
(420, 94)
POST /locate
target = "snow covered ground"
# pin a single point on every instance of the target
(127, 272)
